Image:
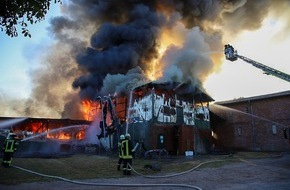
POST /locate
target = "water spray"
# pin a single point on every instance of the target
(128, 111)
(51, 131)
(10, 122)
(249, 114)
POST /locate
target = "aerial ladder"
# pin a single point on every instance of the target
(232, 55)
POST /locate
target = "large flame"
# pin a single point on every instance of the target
(66, 135)
(55, 132)
(36, 127)
(59, 135)
(80, 135)
(89, 109)
(168, 37)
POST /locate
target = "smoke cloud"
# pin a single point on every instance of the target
(103, 47)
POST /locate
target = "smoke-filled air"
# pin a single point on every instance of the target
(106, 47)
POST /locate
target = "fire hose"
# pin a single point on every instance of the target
(175, 174)
(133, 185)
(129, 185)
(108, 184)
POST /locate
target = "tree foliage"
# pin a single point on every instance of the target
(15, 13)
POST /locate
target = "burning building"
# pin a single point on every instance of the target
(43, 136)
(171, 116)
(159, 115)
(106, 47)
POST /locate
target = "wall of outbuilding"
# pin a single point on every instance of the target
(256, 124)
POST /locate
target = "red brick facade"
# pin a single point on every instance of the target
(177, 139)
(255, 123)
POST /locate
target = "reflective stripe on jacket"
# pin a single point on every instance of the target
(10, 145)
(120, 149)
(127, 149)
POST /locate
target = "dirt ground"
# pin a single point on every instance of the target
(266, 173)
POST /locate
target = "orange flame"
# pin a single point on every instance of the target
(51, 131)
(167, 38)
(80, 135)
(36, 127)
(89, 109)
(60, 135)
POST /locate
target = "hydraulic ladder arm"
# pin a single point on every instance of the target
(232, 55)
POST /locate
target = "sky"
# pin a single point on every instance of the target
(269, 44)
(238, 79)
(20, 56)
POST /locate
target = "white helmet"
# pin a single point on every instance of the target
(122, 137)
(11, 135)
(127, 135)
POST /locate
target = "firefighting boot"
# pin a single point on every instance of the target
(6, 163)
(128, 172)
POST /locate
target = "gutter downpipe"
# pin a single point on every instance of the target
(253, 126)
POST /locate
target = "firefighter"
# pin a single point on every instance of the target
(127, 153)
(10, 145)
(120, 161)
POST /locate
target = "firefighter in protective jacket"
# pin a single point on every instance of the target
(127, 154)
(10, 145)
(120, 161)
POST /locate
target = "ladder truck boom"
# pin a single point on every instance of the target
(232, 55)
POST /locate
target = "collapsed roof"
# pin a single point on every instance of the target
(185, 90)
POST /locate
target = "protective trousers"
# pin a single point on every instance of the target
(9, 148)
(7, 159)
(120, 161)
(126, 167)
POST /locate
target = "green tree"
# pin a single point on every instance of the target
(15, 13)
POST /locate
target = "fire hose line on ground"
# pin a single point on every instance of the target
(130, 185)
(108, 184)
(176, 174)
(134, 185)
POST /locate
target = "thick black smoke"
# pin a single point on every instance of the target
(117, 48)
(106, 46)
(128, 31)
(127, 36)
(114, 42)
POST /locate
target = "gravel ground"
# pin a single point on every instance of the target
(267, 174)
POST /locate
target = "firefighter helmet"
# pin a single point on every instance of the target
(122, 137)
(127, 135)
(11, 136)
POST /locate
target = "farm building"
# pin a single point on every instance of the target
(176, 117)
(259, 123)
(171, 116)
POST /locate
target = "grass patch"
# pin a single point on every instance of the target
(82, 166)
(73, 167)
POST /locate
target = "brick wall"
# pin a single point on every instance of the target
(177, 140)
(253, 124)
(186, 139)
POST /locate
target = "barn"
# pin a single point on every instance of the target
(171, 116)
